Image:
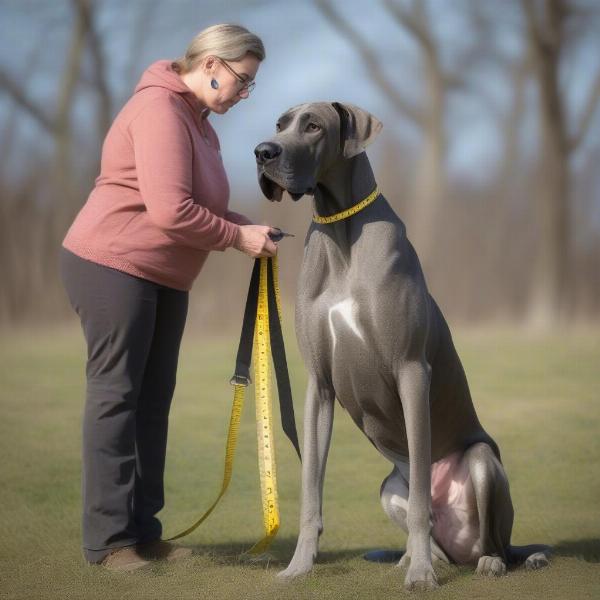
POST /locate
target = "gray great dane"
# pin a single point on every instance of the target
(372, 336)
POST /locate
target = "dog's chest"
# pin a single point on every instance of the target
(345, 333)
(348, 310)
(356, 310)
(337, 324)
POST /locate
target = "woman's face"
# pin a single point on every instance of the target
(234, 79)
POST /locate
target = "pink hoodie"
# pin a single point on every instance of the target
(159, 204)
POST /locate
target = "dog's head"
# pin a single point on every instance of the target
(309, 140)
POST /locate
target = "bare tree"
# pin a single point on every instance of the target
(44, 229)
(548, 22)
(428, 116)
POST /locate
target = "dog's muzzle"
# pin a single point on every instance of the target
(266, 153)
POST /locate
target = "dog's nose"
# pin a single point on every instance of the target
(266, 151)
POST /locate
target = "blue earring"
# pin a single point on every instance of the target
(214, 84)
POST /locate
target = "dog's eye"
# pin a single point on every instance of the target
(277, 127)
(312, 127)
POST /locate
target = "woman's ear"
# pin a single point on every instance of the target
(209, 64)
(358, 128)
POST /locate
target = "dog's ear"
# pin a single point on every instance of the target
(358, 128)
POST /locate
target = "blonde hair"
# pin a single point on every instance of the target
(227, 42)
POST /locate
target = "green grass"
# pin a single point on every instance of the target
(538, 397)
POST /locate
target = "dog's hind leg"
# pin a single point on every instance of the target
(318, 421)
(394, 499)
(494, 508)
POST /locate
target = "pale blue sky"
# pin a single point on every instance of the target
(306, 60)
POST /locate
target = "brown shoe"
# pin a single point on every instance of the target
(123, 559)
(161, 550)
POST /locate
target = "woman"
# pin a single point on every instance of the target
(157, 209)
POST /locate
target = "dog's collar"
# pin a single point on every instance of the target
(349, 211)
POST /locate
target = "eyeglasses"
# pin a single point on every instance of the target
(246, 86)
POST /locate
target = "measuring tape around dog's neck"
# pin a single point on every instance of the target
(261, 330)
(349, 211)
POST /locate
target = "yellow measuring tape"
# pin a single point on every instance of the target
(232, 436)
(349, 211)
(264, 427)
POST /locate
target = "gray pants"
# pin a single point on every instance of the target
(133, 330)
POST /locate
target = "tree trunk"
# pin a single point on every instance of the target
(550, 283)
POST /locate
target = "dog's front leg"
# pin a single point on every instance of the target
(318, 420)
(413, 384)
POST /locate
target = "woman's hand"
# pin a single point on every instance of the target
(254, 241)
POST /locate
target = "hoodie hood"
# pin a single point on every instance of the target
(160, 74)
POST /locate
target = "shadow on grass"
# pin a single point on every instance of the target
(328, 562)
(588, 549)
(281, 552)
(336, 562)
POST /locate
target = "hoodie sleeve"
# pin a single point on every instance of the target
(163, 156)
(237, 218)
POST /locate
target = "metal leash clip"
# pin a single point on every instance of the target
(277, 237)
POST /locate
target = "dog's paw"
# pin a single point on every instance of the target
(303, 559)
(404, 562)
(491, 565)
(293, 571)
(420, 577)
(537, 561)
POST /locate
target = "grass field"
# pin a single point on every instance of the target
(537, 396)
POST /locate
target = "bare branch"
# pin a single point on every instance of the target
(139, 36)
(510, 122)
(481, 48)
(587, 115)
(535, 33)
(86, 14)
(370, 60)
(75, 55)
(416, 23)
(17, 93)
(413, 21)
(7, 136)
